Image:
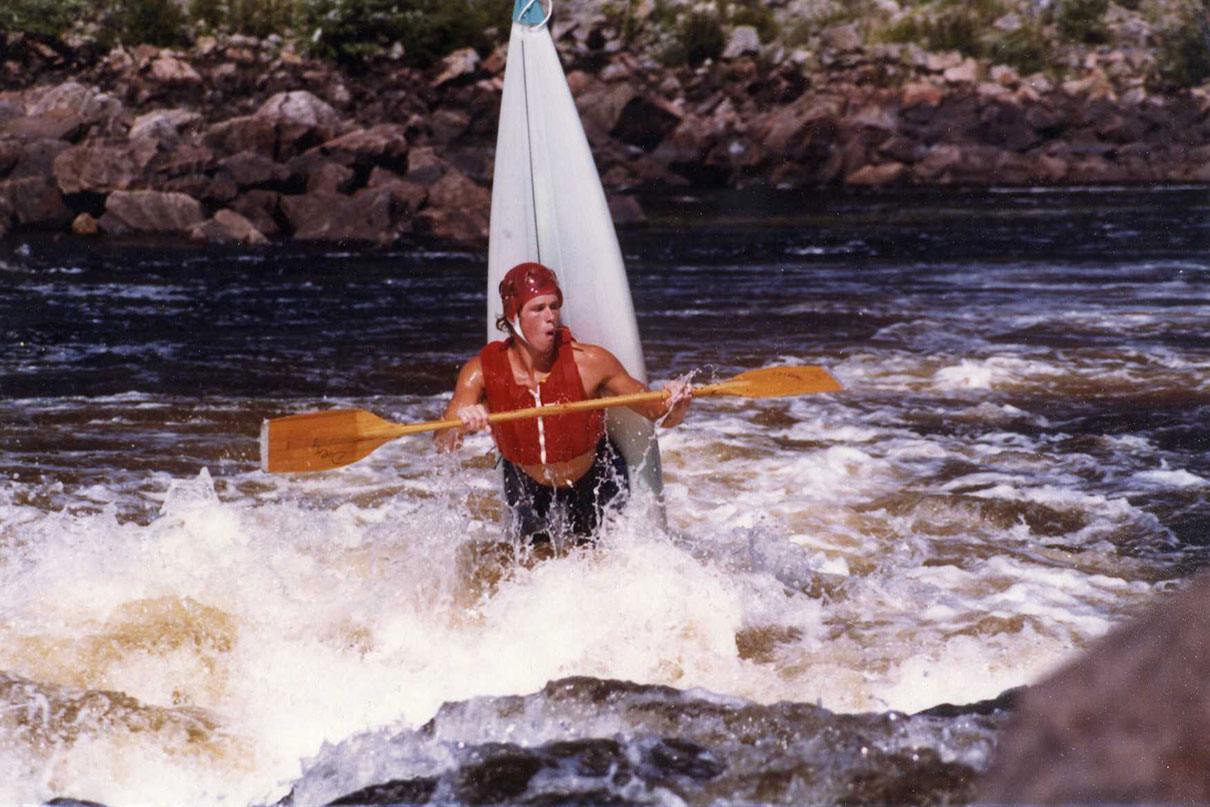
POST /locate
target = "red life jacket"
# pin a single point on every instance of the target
(530, 441)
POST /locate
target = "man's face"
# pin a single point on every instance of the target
(539, 321)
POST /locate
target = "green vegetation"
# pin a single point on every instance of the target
(1082, 20)
(699, 36)
(137, 22)
(947, 25)
(42, 17)
(1182, 51)
(967, 27)
(752, 12)
(259, 18)
(1026, 50)
(351, 30)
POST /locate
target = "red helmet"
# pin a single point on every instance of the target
(524, 282)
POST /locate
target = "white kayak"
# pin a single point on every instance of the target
(548, 206)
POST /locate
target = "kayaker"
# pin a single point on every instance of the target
(560, 472)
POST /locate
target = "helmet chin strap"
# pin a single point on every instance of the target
(516, 323)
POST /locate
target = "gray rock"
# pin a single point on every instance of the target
(743, 41)
(1123, 724)
(35, 202)
(150, 212)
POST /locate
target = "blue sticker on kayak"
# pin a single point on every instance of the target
(529, 12)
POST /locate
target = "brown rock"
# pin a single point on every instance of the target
(1006, 125)
(90, 104)
(878, 175)
(1004, 76)
(458, 209)
(101, 167)
(645, 120)
(1123, 724)
(448, 124)
(248, 133)
(10, 111)
(966, 72)
(407, 196)
(184, 160)
(626, 209)
(300, 116)
(841, 37)
(921, 93)
(425, 166)
(85, 224)
(601, 106)
(30, 159)
(35, 202)
(494, 64)
(261, 208)
(330, 176)
(945, 60)
(169, 69)
(325, 216)
(461, 64)
(248, 169)
(56, 124)
(150, 212)
(385, 144)
(456, 191)
(687, 144)
(228, 227)
(165, 124)
(453, 225)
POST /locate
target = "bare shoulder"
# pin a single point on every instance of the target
(595, 358)
(471, 373)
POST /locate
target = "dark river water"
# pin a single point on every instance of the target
(1020, 460)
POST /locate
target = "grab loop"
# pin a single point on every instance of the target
(520, 14)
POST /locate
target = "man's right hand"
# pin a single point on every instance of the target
(474, 418)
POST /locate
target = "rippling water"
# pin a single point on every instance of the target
(1019, 461)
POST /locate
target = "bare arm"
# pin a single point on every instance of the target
(598, 364)
(466, 405)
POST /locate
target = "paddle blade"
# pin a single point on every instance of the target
(320, 441)
(775, 382)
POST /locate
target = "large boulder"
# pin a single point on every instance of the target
(250, 169)
(35, 202)
(458, 66)
(245, 133)
(408, 196)
(89, 104)
(301, 120)
(104, 166)
(55, 124)
(166, 125)
(326, 216)
(170, 69)
(228, 227)
(645, 120)
(260, 207)
(1126, 723)
(385, 144)
(150, 212)
(457, 191)
(30, 159)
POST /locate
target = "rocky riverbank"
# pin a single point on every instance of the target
(240, 140)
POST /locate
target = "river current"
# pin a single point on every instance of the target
(1018, 462)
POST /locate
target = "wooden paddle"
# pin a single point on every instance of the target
(320, 441)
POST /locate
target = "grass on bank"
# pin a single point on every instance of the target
(679, 31)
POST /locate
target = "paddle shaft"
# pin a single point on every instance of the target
(401, 430)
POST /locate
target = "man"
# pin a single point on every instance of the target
(560, 472)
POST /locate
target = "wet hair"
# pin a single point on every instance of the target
(504, 325)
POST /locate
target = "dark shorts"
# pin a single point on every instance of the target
(540, 513)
